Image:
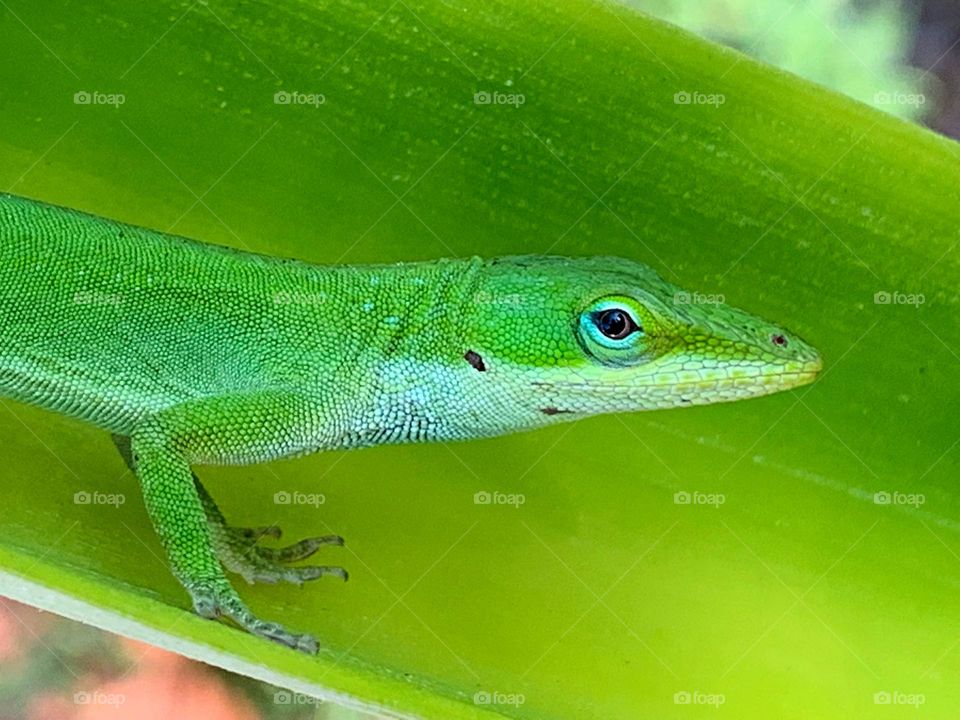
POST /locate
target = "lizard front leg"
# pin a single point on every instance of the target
(239, 551)
(238, 548)
(198, 542)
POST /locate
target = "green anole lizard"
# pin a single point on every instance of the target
(193, 354)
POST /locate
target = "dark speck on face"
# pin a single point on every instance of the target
(476, 362)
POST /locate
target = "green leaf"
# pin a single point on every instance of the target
(599, 596)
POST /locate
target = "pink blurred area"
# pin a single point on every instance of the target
(20, 628)
(155, 685)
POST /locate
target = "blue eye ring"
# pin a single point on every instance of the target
(615, 330)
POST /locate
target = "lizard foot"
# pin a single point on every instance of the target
(239, 551)
(216, 599)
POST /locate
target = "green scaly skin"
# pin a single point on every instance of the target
(194, 354)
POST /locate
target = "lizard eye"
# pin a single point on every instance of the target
(616, 330)
(616, 323)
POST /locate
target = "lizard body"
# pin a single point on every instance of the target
(194, 354)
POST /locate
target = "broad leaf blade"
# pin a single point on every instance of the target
(599, 595)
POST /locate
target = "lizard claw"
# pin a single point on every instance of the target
(272, 574)
(239, 551)
(218, 599)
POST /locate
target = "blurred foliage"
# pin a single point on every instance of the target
(48, 662)
(31, 673)
(857, 48)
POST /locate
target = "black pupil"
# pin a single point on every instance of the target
(615, 324)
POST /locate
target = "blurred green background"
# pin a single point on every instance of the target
(603, 594)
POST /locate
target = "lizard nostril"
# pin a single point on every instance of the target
(779, 340)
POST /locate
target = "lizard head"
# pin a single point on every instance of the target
(582, 336)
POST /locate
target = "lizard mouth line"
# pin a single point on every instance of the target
(751, 380)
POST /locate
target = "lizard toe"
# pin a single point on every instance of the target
(219, 599)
